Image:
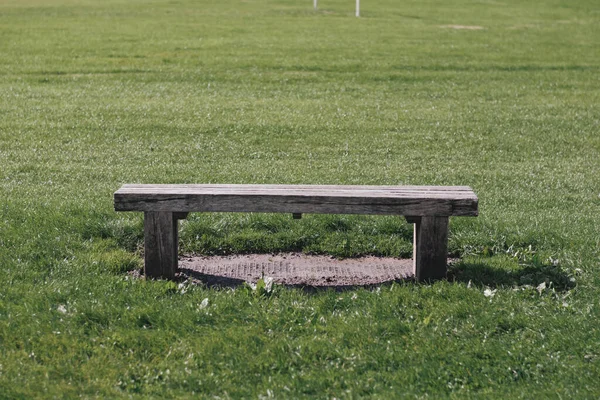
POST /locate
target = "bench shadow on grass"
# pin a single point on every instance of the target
(483, 275)
(478, 273)
(216, 281)
(212, 281)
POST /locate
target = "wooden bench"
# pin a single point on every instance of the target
(427, 207)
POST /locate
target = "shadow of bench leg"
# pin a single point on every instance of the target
(430, 248)
(160, 244)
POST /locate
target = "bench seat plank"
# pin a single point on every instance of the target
(261, 187)
(327, 199)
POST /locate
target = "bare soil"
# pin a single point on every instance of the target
(294, 269)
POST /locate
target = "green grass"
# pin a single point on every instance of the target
(94, 94)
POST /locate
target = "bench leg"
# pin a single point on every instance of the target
(160, 244)
(430, 248)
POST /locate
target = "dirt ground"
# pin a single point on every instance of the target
(295, 269)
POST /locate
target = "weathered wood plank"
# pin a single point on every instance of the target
(288, 193)
(304, 190)
(430, 248)
(160, 244)
(263, 187)
(308, 199)
(224, 203)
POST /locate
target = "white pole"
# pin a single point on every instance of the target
(315, 4)
(357, 8)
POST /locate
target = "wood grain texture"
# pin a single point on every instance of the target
(320, 199)
(250, 187)
(430, 248)
(160, 244)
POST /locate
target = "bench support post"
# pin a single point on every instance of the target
(161, 243)
(430, 247)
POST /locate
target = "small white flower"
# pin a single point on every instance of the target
(183, 287)
(61, 308)
(354, 296)
(541, 287)
(489, 292)
(203, 304)
(268, 283)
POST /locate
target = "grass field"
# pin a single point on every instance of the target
(94, 94)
